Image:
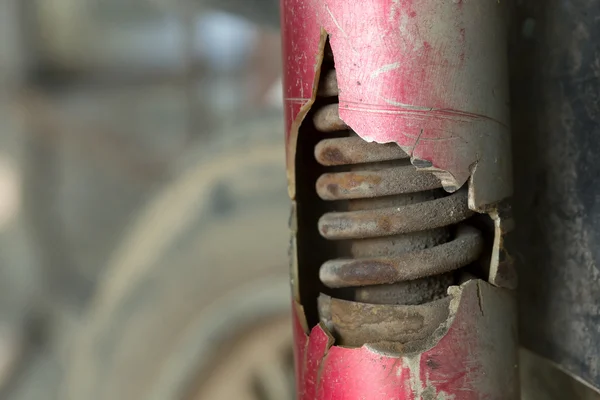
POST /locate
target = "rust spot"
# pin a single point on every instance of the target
(384, 223)
(333, 189)
(378, 183)
(334, 156)
(410, 218)
(412, 14)
(357, 273)
(356, 179)
(354, 150)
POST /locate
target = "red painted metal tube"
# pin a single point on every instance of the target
(475, 358)
(430, 76)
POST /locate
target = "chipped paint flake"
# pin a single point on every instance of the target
(414, 366)
(422, 73)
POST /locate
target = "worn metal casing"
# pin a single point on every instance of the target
(431, 77)
(472, 357)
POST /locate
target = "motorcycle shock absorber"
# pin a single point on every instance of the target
(398, 158)
(401, 236)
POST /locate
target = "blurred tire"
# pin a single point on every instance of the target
(202, 268)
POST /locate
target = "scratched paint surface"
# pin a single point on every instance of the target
(457, 367)
(428, 75)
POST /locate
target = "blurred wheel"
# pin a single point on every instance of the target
(198, 285)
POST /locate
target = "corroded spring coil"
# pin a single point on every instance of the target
(401, 235)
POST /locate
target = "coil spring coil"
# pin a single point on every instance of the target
(383, 200)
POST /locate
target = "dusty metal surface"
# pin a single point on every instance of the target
(437, 86)
(429, 214)
(389, 238)
(374, 183)
(357, 323)
(396, 246)
(325, 371)
(447, 257)
(556, 122)
(354, 150)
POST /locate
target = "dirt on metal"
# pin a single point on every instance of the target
(358, 323)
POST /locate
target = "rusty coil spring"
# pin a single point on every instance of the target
(403, 234)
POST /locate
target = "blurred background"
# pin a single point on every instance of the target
(143, 203)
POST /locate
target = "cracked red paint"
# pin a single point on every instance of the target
(456, 367)
(430, 76)
(433, 70)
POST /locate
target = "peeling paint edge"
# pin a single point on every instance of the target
(456, 294)
(304, 110)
